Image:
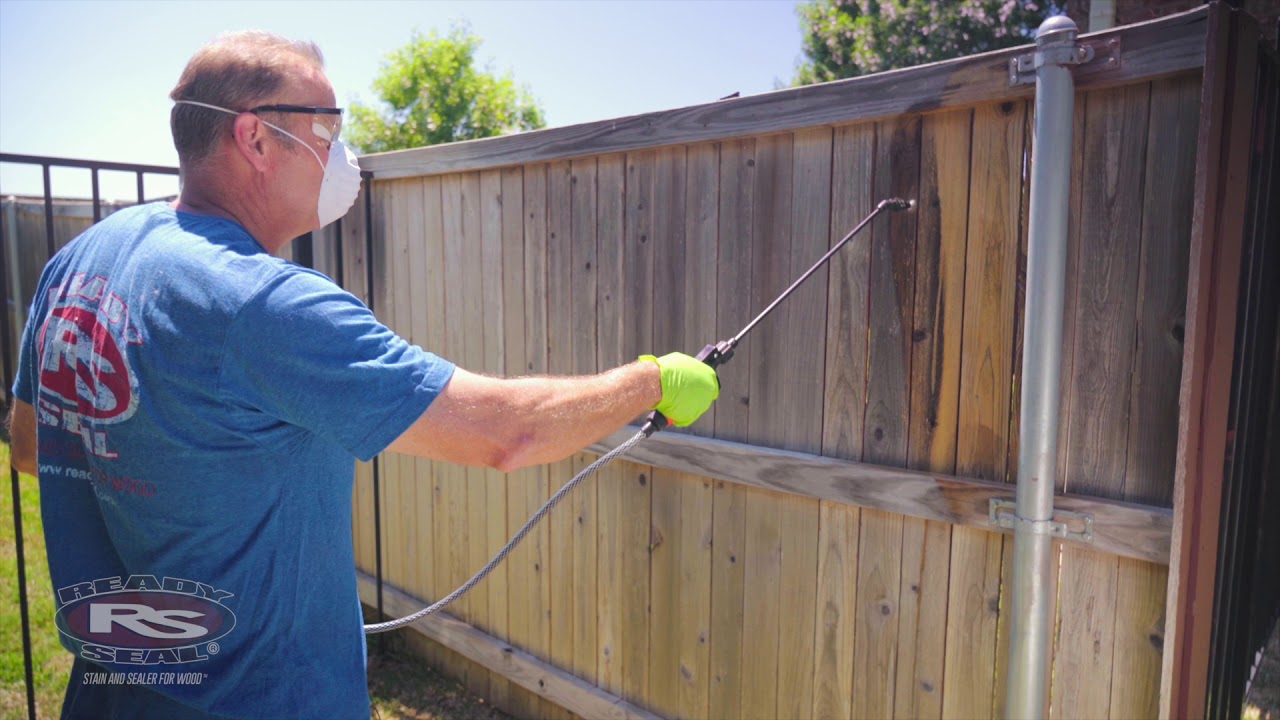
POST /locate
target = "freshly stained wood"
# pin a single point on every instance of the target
(1157, 48)
(943, 207)
(890, 286)
(1106, 315)
(560, 688)
(986, 377)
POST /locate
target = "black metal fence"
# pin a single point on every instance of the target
(8, 352)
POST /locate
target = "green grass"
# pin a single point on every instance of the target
(50, 661)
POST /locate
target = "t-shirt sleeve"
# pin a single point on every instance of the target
(304, 351)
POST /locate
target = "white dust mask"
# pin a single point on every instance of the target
(341, 182)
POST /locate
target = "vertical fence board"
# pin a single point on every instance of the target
(805, 327)
(582, 257)
(559, 341)
(419, 525)
(1114, 150)
(529, 576)
(1152, 447)
(637, 338)
(983, 422)
(943, 207)
(770, 274)
(515, 362)
(668, 247)
(696, 496)
(728, 562)
(891, 296)
(610, 229)
(844, 406)
(398, 489)
(493, 350)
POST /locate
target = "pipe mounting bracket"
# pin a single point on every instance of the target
(1004, 514)
(1097, 55)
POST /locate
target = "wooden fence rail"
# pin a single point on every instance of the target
(881, 399)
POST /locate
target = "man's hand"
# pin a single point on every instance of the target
(689, 386)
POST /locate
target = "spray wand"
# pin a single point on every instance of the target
(719, 353)
(713, 355)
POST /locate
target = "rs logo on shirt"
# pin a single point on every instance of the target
(140, 619)
(144, 620)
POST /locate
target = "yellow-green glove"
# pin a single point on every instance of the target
(689, 386)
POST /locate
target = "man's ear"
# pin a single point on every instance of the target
(249, 134)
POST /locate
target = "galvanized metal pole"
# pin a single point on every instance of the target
(1030, 628)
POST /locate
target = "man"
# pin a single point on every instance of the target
(193, 405)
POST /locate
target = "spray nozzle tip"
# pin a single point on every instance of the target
(898, 204)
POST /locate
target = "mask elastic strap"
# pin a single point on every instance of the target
(315, 154)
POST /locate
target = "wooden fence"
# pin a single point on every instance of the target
(819, 544)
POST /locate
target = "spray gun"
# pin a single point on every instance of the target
(720, 353)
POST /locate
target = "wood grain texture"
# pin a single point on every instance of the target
(806, 320)
(1121, 528)
(1157, 48)
(422, 293)
(935, 389)
(728, 563)
(560, 310)
(696, 541)
(636, 338)
(1105, 317)
(1152, 437)
(770, 274)
(844, 409)
(493, 351)
(986, 377)
(583, 274)
(559, 688)
(611, 204)
(667, 244)
(891, 288)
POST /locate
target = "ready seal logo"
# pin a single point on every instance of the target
(142, 620)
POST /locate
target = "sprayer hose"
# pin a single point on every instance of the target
(511, 544)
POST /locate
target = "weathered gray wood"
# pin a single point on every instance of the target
(1120, 528)
(541, 678)
(1157, 48)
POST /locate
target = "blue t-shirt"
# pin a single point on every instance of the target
(200, 405)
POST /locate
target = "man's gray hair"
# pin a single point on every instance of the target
(236, 71)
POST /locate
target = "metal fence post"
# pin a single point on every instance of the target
(1030, 635)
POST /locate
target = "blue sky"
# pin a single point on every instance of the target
(91, 79)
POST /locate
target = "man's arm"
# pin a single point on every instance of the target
(22, 437)
(508, 424)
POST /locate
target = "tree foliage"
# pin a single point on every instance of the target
(433, 91)
(848, 38)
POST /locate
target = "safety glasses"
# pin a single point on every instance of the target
(326, 133)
